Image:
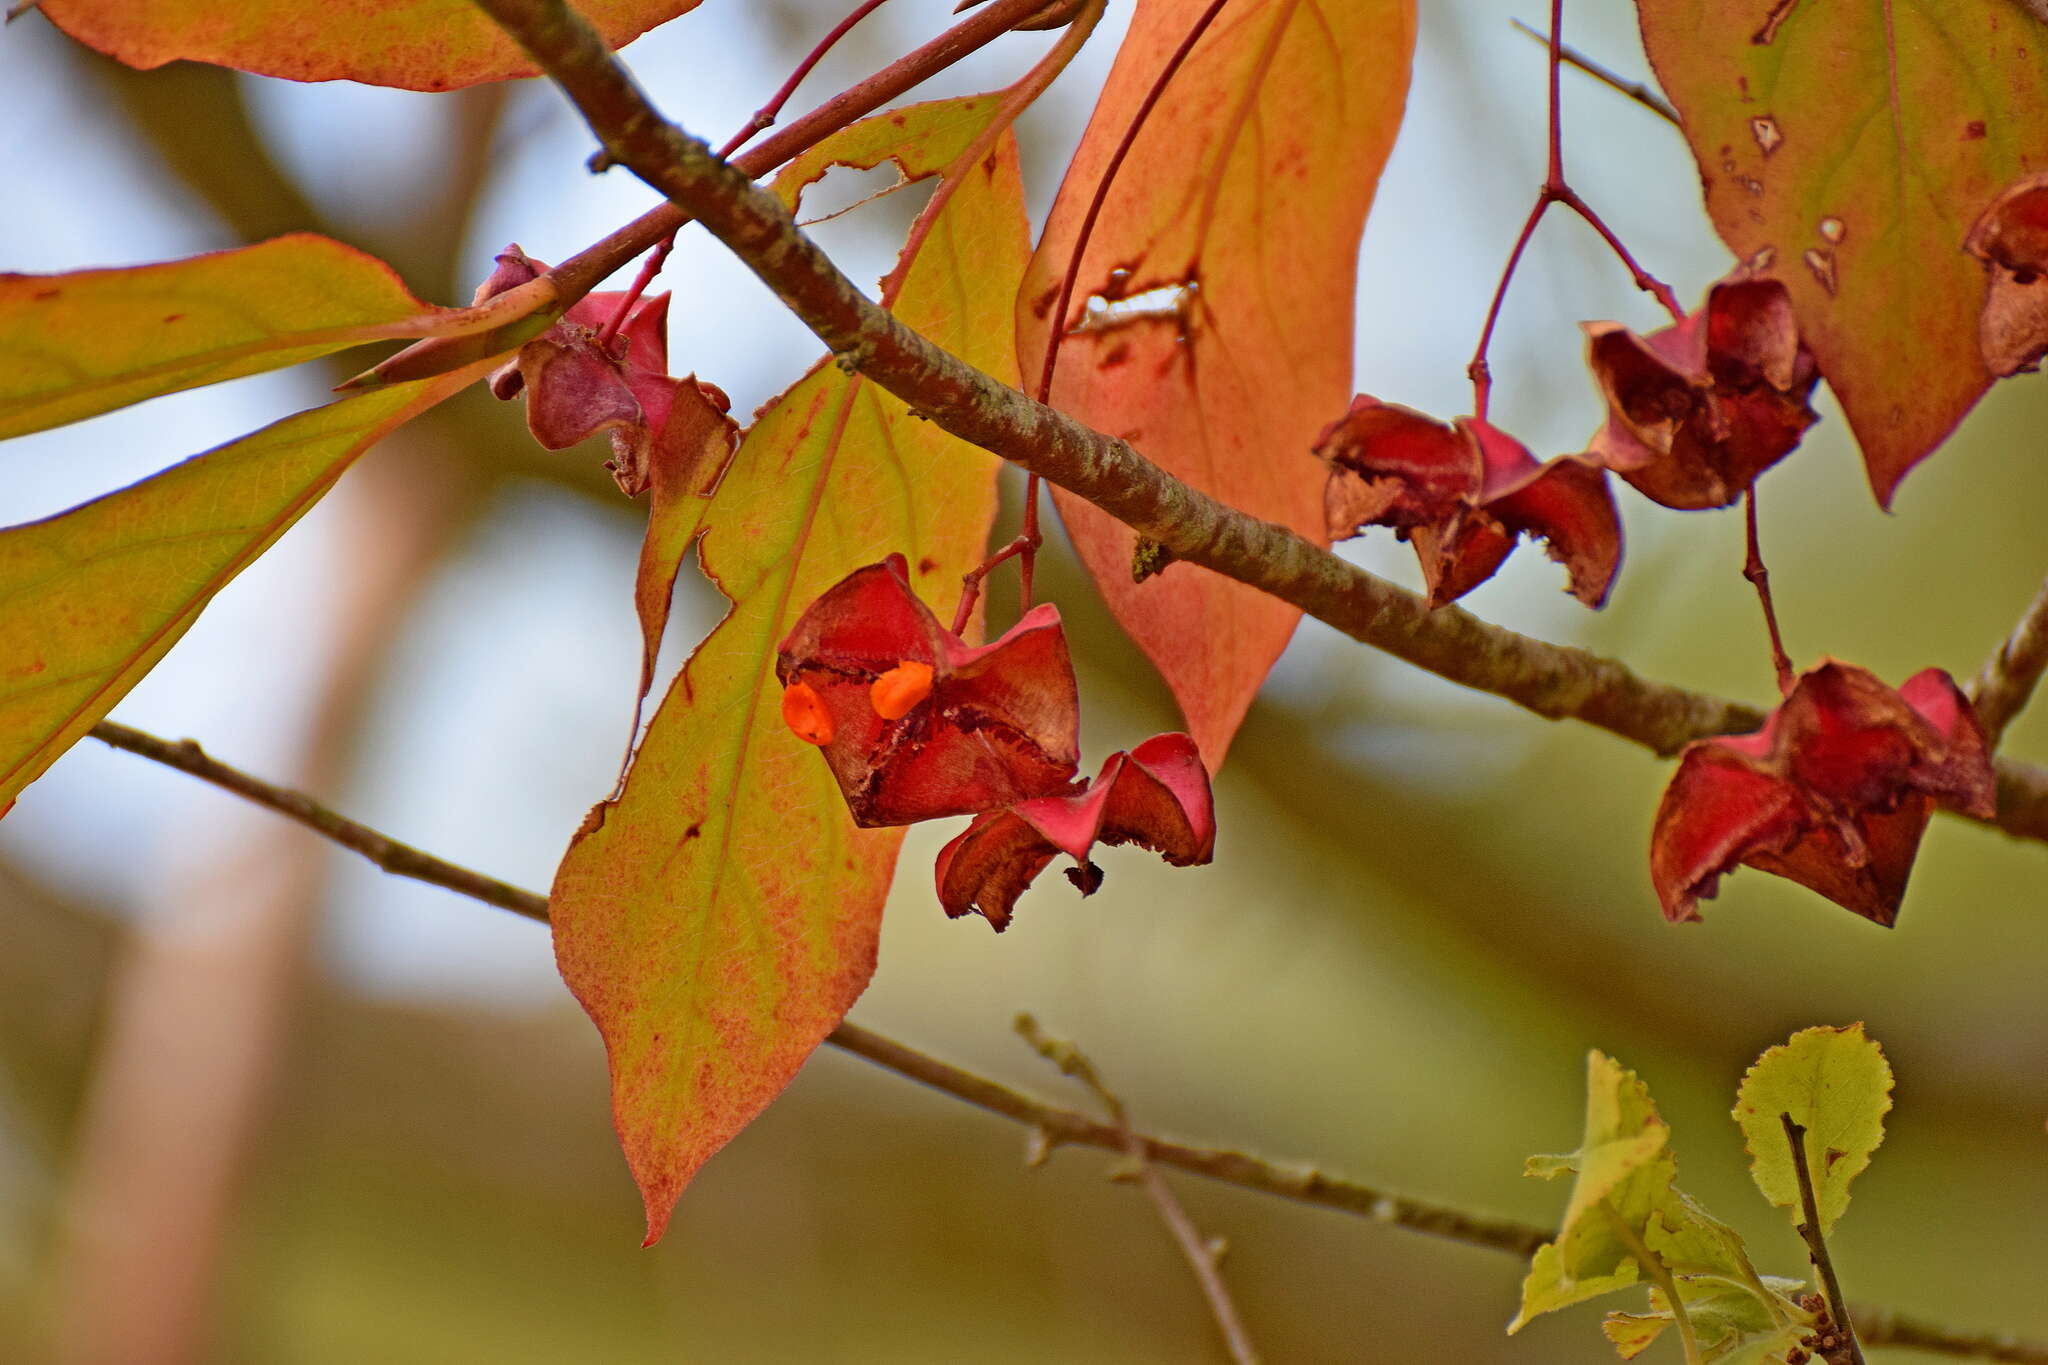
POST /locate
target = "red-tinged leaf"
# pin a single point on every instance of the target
(414, 45)
(92, 598)
(1461, 492)
(918, 724)
(2011, 239)
(1834, 792)
(1845, 149)
(1156, 796)
(1233, 230)
(1697, 411)
(78, 344)
(720, 916)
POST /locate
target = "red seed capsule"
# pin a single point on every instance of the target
(898, 691)
(803, 711)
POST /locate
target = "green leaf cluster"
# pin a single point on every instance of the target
(1627, 1222)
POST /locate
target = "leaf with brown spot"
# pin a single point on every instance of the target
(411, 44)
(79, 344)
(720, 916)
(92, 598)
(1848, 156)
(1250, 182)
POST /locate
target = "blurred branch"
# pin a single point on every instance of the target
(1636, 90)
(1549, 679)
(1204, 1257)
(1051, 1125)
(2007, 680)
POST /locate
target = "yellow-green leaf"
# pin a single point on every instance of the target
(82, 343)
(718, 919)
(1631, 1333)
(1834, 1082)
(1845, 148)
(90, 599)
(1624, 1170)
(412, 44)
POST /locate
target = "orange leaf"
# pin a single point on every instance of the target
(720, 916)
(92, 598)
(1846, 150)
(78, 344)
(1232, 235)
(415, 45)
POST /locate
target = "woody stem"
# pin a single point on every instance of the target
(1760, 578)
(763, 118)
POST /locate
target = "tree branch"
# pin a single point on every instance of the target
(1551, 680)
(1052, 1126)
(1204, 1257)
(2007, 679)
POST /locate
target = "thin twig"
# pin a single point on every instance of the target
(2006, 682)
(1051, 1125)
(1203, 1256)
(1816, 1244)
(1548, 679)
(1641, 93)
(1760, 578)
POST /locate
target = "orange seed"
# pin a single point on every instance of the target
(896, 692)
(803, 711)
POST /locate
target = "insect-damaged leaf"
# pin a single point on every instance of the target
(92, 598)
(1846, 149)
(411, 44)
(1835, 1083)
(719, 917)
(1233, 230)
(83, 343)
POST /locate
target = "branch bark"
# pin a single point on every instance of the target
(1552, 680)
(1051, 1125)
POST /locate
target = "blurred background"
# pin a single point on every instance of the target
(260, 1103)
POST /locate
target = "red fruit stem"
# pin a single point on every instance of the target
(1760, 578)
(1555, 191)
(1636, 90)
(1027, 560)
(970, 582)
(763, 119)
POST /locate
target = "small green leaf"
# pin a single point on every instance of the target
(1836, 1084)
(1624, 1172)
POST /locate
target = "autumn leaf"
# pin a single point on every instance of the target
(414, 45)
(719, 917)
(1226, 255)
(1846, 151)
(1835, 1083)
(78, 344)
(90, 599)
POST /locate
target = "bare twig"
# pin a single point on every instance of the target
(1203, 1256)
(1638, 91)
(1551, 680)
(1051, 1125)
(1760, 578)
(2006, 682)
(1816, 1243)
